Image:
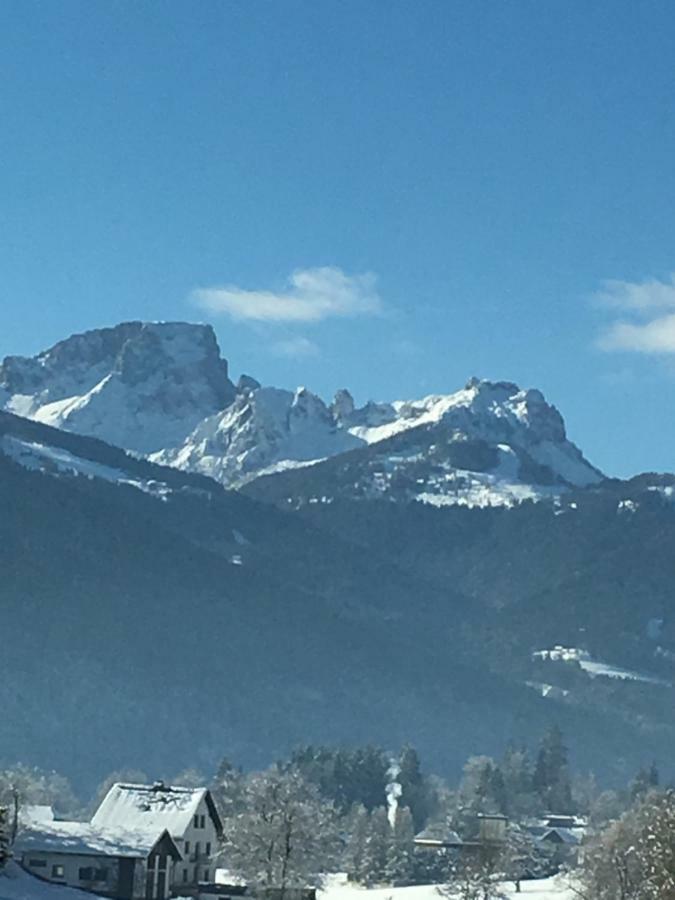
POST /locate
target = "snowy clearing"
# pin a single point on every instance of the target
(42, 458)
(15, 884)
(540, 889)
(595, 667)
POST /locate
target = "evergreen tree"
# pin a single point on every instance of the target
(400, 864)
(345, 777)
(376, 849)
(416, 794)
(357, 827)
(228, 789)
(482, 790)
(517, 772)
(4, 837)
(551, 774)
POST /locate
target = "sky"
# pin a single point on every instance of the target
(375, 194)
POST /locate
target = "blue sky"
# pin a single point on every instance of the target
(390, 196)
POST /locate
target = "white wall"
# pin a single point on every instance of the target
(196, 869)
(71, 866)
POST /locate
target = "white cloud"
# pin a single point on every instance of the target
(296, 347)
(311, 295)
(638, 296)
(655, 336)
(648, 326)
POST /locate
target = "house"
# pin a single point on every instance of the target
(188, 814)
(490, 830)
(122, 863)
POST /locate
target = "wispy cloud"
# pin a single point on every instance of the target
(311, 295)
(296, 348)
(648, 323)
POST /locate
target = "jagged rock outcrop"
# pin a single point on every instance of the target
(163, 390)
(142, 386)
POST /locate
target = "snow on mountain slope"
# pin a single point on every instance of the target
(162, 390)
(490, 443)
(142, 386)
(51, 451)
(261, 430)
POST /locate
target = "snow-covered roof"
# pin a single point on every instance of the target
(34, 814)
(153, 806)
(437, 835)
(564, 835)
(90, 840)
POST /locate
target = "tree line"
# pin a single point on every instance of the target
(358, 810)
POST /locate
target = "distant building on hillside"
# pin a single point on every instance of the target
(124, 864)
(188, 814)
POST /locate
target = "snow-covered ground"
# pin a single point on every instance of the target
(41, 457)
(540, 889)
(15, 884)
(594, 667)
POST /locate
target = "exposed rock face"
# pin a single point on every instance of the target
(143, 386)
(162, 389)
(262, 429)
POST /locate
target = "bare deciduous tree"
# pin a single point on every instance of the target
(634, 858)
(285, 834)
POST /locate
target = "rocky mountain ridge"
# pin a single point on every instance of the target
(163, 390)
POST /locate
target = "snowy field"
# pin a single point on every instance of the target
(15, 884)
(545, 889)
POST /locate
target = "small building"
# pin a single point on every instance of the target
(490, 831)
(188, 814)
(123, 864)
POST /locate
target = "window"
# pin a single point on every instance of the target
(197, 849)
(37, 863)
(208, 848)
(202, 821)
(57, 871)
(187, 846)
(89, 873)
(185, 875)
(196, 821)
(206, 874)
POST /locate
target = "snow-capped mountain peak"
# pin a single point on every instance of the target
(163, 390)
(143, 386)
(268, 430)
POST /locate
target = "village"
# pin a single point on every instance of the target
(156, 841)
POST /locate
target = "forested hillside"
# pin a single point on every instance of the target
(160, 620)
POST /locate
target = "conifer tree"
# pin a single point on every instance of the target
(376, 848)
(4, 837)
(400, 852)
(416, 792)
(358, 826)
(551, 775)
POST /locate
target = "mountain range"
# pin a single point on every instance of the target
(193, 567)
(163, 390)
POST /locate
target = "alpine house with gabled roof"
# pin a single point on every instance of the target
(188, 814)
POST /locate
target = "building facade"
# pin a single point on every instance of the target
(123, 864)
(188, 814)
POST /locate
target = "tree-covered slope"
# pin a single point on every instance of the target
(158, 621)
